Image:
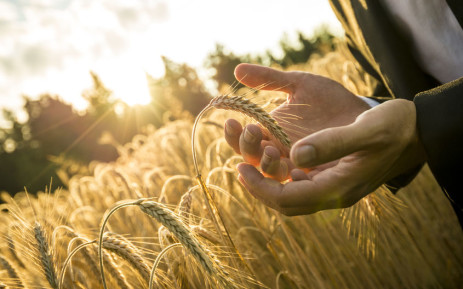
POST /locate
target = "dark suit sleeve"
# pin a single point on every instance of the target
(440, 126)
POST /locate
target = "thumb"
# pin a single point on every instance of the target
(266, 78)
(328, 145)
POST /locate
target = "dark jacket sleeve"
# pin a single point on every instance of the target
(440, 126)
(381, 94)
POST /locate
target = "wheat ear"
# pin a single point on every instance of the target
(158, 259)
(184, 206)
(179, 230)
(115, 272)
(245, 106)
(100, 238)
(45, 256)
(125, 251)
(202, 232)
(12, 250)
(11, 272)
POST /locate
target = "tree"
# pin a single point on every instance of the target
(179, 90)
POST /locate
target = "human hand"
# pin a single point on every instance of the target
(314, 103)
(353, 152)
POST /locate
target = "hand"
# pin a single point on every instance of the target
(314, 103)
(349, 152)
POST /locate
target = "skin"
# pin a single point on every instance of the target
(346, 151)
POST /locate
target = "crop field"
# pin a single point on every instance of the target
(146, 221)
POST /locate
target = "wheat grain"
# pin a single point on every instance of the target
(126, 251)
(202, 232)
(115, 272)
(245, 106)
(184, 206)
(180, 231)
(183, 234)
(45, 255)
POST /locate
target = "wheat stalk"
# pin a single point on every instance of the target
(45, 255)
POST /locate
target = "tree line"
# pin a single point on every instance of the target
(57, 140)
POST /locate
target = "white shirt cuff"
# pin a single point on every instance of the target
(370, 101)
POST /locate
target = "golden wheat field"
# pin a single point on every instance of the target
(148, 223)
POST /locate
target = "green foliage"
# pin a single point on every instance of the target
(322, 42)
(179, 90)
(223, 63)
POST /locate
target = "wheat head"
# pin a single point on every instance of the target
(247, 107)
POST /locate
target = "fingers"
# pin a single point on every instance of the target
(330, 144)
(233, 130)
(250, 144)
(266, 78)
(293, 198)
(273, 165)
(298, 175)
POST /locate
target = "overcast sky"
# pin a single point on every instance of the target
(51, 45)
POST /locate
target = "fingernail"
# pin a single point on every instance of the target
(248, 136)
(266, 159)
(304, 155)
(230, 129)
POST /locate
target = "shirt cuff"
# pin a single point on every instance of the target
(370, 101)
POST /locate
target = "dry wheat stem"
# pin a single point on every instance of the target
(248, 108)
(100, 239)
(93, 268)
(158, 259)
(68, 259)
(45, 256)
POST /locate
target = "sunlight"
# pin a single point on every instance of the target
(131, 88)
(128, 80)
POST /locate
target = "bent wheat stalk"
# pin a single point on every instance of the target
(245, 106)
(158, 259)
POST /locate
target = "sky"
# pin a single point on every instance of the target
(49, 46)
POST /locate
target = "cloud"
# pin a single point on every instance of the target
(8, 12)
(41, 39)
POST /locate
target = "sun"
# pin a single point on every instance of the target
(129, 80)
(132, 89)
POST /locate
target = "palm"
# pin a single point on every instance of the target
(317, 103)
(314, 103)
